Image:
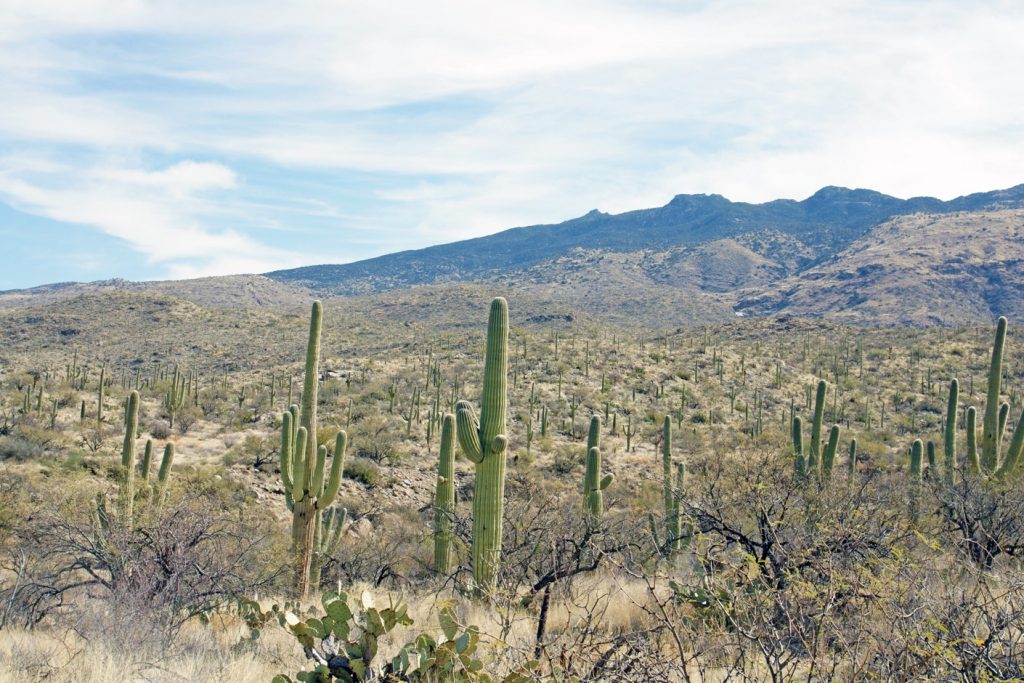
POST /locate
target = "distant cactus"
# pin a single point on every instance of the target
(485, 443)
(174, 397)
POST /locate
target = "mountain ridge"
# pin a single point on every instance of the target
(828, 220)
(858, 256)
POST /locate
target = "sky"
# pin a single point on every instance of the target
(154, 140)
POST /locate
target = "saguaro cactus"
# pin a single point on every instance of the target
(444, 497)
(799, 465)
(485, 443)
(916, 452)
(307, 492)
(949, 446)
(828, 458)
(990, 437)
(672, 484)
(972, 440)
(174, 397)
(163, 475)
(593, 483)
(131, 426)
(814, 456)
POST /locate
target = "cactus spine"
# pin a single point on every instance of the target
(990, 423)
(484, 442)
(593, 483)
(444, 497)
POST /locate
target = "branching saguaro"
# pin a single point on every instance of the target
(485, 443)
(307, 492)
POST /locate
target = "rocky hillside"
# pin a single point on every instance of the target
(921, 270)
(792, 234)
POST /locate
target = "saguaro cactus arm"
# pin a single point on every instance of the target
(337, 470)
(469, 431)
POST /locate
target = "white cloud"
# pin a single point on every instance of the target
(478, 116)
(156, 212)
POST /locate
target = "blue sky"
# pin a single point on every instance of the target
(172, 139)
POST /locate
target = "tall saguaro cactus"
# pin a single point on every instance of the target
(672, 484)
(991, 434)
(444, 497)
(814, 456)
(799, 464)
(485, 443)
(131, 426)
(307, 492)
(949, 445)
(916, 452)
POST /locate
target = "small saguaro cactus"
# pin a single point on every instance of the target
(444, 497)
(485, 443)
(593, 483)
(851, 462)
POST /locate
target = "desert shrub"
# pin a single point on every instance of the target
(363, 470)
(159, 431)
(170, 567)
(19, 448)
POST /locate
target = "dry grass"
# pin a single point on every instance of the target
(210, 652)
(200, 654)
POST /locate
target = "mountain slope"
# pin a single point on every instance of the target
(922, 269)
(816, 227)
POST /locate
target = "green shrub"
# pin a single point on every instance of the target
(363, 470)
